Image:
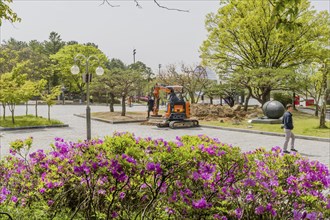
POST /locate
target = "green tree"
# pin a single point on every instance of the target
(11, 53)
(13, 91)
(146, 74)
(106, 85)
(54, 43)
(6, 13)
(126, 82)
(245, 43)
(64, 60)
(27, 93)
(37, 91)
(52, 46)
(51, 97)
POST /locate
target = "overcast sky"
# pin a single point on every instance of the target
(159, 36)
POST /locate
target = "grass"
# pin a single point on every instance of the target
(304, 124)
(27, 120)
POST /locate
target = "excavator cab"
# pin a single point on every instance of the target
(177, 110)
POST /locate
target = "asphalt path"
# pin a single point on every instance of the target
(315, 150)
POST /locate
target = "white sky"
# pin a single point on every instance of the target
(159, 36)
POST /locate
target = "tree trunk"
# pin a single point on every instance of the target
(123, 105)
(36, 107)
(324, 103)
(246, 103)
(13, 116)
(265, 97)
(192, 98)
(316, 113)
(242, 98)
(211, 100)
(112, 102)
(293, 101)
(48, 112)
(323, 115)
(4, 111)
(26, 108)
(11, 107)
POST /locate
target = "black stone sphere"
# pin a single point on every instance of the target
(273, 109)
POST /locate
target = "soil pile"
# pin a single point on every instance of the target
(210, 112)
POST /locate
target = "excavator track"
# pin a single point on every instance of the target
(184, 124)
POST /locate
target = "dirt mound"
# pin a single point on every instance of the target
(210, 112)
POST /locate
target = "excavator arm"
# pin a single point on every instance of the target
(156, 91)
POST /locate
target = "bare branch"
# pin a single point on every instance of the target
(107, 1)
(174, 9)
(137, 4)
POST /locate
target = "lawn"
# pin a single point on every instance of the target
(304, 124)
(26, 120)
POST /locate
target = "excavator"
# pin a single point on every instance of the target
(177, 110)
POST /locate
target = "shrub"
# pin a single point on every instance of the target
(127, 177)
(283, 97)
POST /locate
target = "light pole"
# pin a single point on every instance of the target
(87, 78)
(63, 98)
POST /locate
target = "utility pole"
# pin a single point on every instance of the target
(134, 52)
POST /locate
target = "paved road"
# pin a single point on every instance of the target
(44, 137)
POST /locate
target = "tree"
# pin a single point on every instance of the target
(322, 89)
(11, 52)
(244, 42)
(49, 98)
(37, 91)
(311, 83)
(13, 90)
(3, 97)
(146, 74)
(6, 13)
(27, 93)
(193, 82)
(64, 59)
(126, 82)
(54, 44)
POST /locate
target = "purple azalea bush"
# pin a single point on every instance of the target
(194, 177)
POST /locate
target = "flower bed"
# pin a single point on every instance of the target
(127, 177)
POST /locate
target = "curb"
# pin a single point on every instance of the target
(267, 133)
(34, 127)
(111, 122)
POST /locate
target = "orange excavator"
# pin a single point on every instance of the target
(177, 110)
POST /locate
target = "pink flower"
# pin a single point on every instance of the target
(14, 199)
(200, 204)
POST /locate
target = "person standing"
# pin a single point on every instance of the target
(287, 122)
(150, 103)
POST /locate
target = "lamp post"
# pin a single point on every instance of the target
(87, 78)
(63, 91)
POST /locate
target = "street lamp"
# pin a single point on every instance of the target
(87, 78)
(63, 91)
